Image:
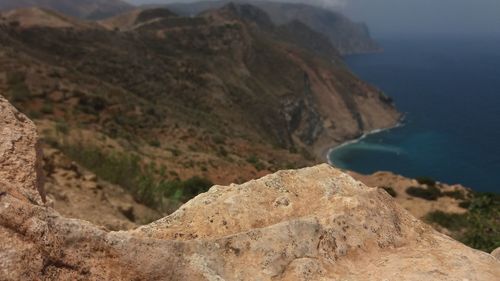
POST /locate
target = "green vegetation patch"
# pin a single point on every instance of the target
(155, 143)
(453, 222)
(432, 191)
(62, 127)
(390, 190)
(47, 108)
(479, 228)
(18, 90)
(457, 194)
(255, 161)
(429, 193)
(426, 180)
(219, 139)
(148, 185)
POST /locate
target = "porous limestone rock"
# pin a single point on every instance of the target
(311, 224)
(496, 253)
(20, 154)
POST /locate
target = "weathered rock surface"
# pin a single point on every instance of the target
(311, 224)
(20, 160)
(496, 253)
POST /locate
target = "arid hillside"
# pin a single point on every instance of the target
(220, 98)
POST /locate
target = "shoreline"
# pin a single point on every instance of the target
(348, 142)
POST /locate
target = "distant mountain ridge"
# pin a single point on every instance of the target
(227, 95)
(89, 9)
(346, 36)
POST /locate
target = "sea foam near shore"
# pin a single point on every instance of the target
(350, 142)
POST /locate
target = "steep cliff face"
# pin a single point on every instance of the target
(173, 89)
(310, 224)
(346, 36)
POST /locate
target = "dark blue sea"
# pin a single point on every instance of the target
(449, 89)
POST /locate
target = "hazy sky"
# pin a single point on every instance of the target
(386, 17)
(427, 16)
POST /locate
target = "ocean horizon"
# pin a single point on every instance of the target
(449, 91)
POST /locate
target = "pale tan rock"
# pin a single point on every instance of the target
(90, 177)
(496, 253)
(20, 154)
(311, 224)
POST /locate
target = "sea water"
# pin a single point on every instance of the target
(449, 90)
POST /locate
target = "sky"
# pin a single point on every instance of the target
(407, 17)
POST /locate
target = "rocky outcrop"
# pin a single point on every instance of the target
(311, 224)
(20, 160)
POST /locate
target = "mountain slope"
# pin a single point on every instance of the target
(346, 36)
(226, 96)
(34, 17)
(310, 224)
(92, 9)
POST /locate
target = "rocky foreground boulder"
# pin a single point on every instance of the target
(311, 224)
